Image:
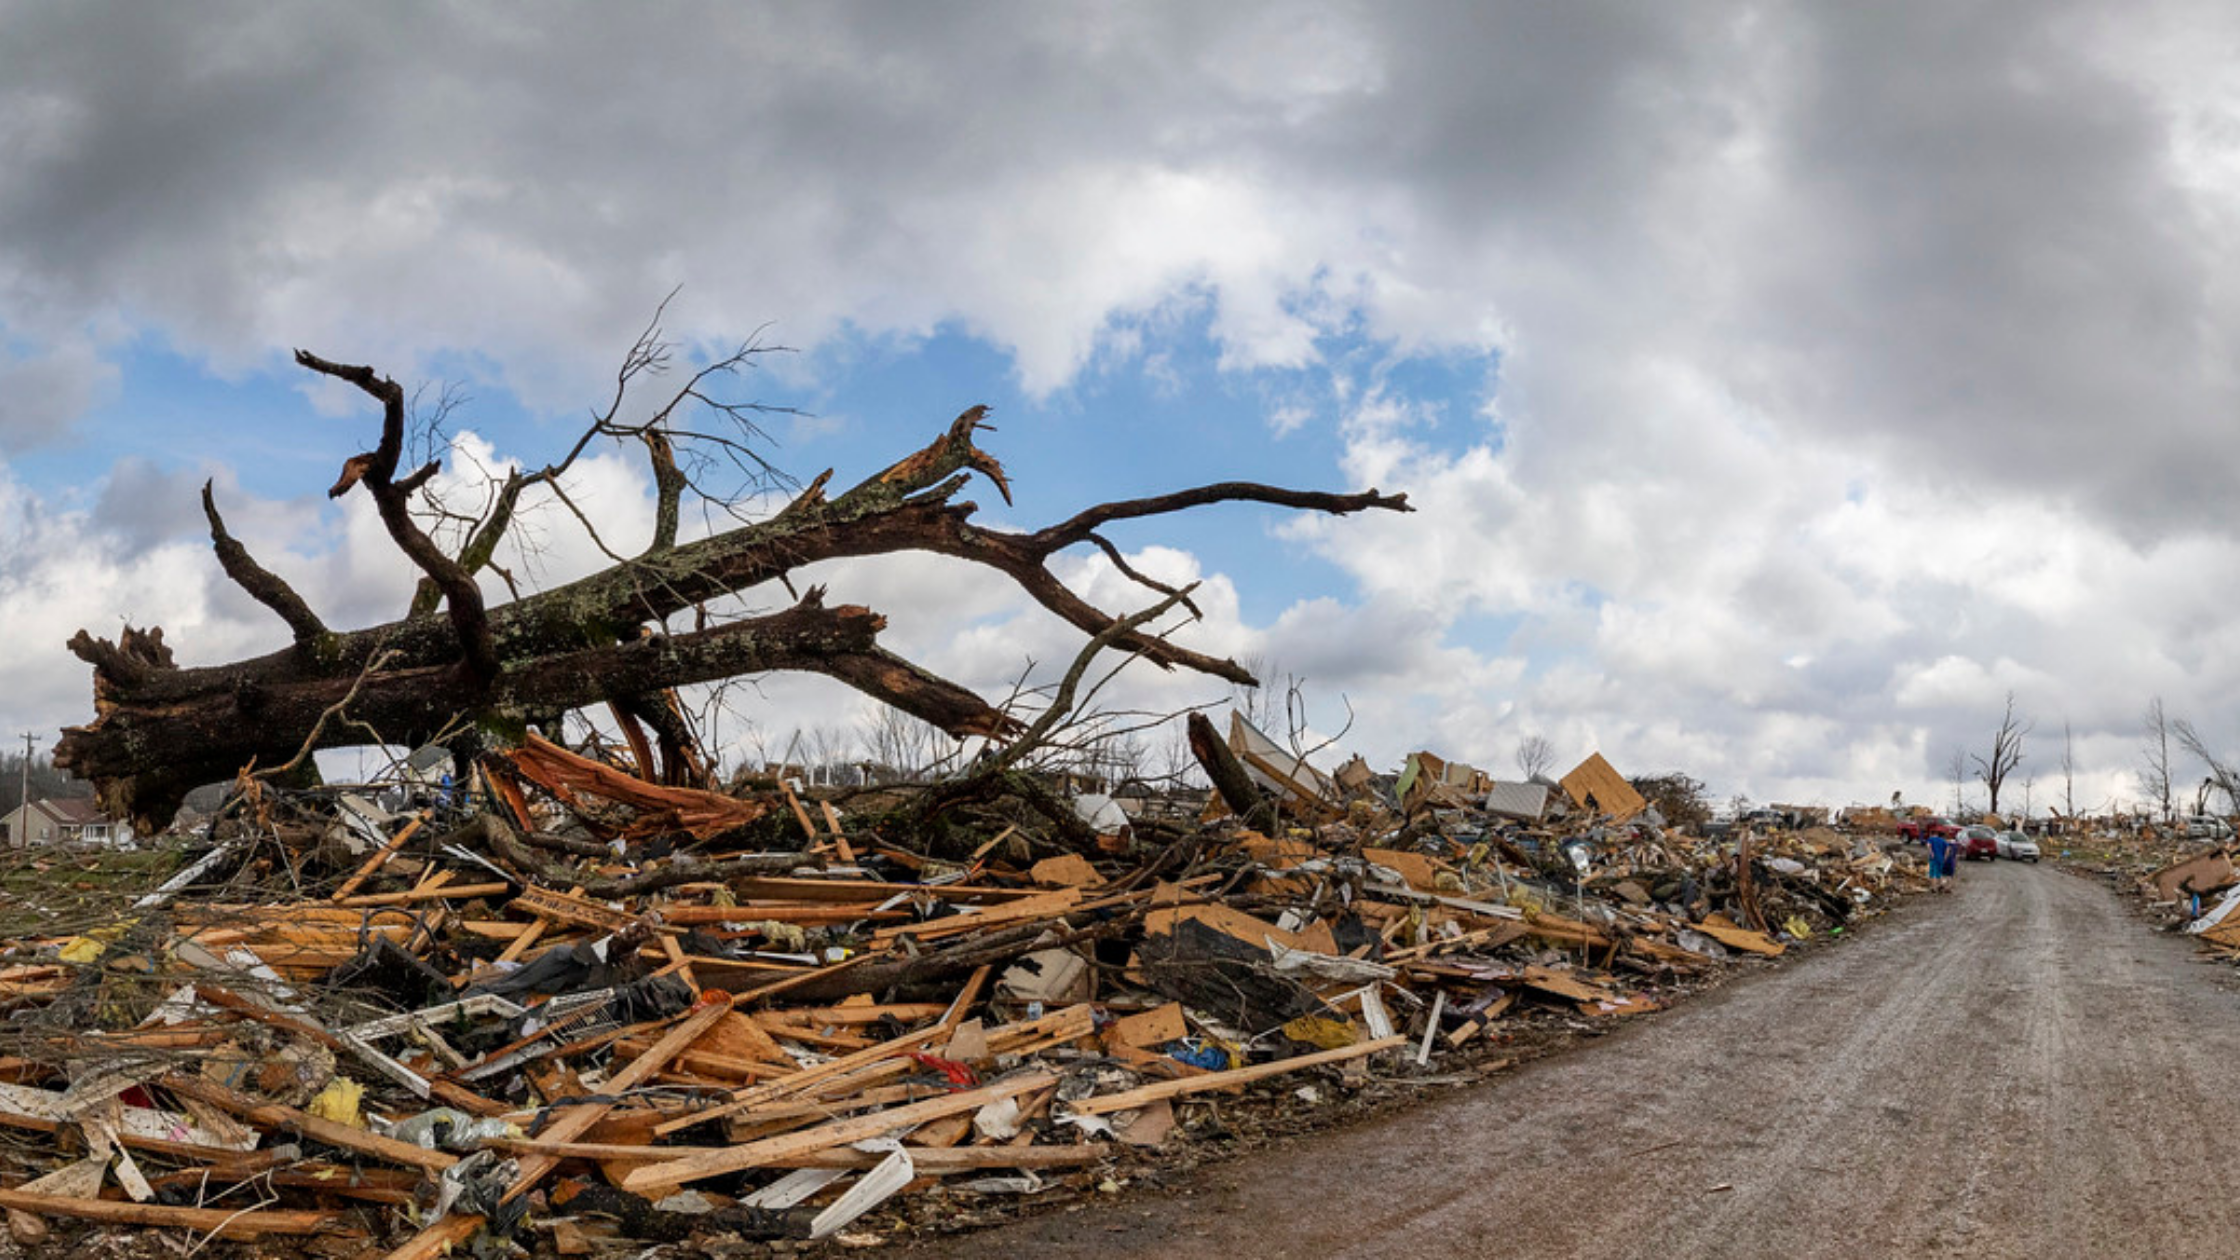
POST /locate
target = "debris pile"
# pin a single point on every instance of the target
(565, 1005)
(2191, 887)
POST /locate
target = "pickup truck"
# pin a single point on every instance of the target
(1918, 830)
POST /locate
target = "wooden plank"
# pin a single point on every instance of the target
(1043, 905)
(794, 888)
(1157, 1026)
(840, 843)
(930, 1159)
(1741, 938)
(222, 1222)
(1069, 870)
(1128, 1100)
(571, 909)
(1421, 872)
(379, 859)
(723, 1160)
(444, 892)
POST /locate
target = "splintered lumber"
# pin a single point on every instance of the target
(23, 1106)
(288, 1119)
(869, 1067)
(1128, 1100)
(570, 1123)
(1045, 905)
(801, 1081)
(792, 888)
(379, 859)
(760, 1154)
(431, 892)
(573, 910)
(1741, 938)
(565, 774)
(223, 1222)
(930, 1159)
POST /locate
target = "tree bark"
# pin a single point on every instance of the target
(1235, 787)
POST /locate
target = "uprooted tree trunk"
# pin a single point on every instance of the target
(470, 672)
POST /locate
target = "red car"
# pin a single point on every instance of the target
(1978, 841)
(1918, 830)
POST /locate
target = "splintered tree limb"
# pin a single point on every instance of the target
(1075, 530)
(377, 471)
(994, 774)
(1243, 797)
(160, 730)
(263, 585)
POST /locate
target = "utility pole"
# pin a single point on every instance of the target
(23, 790)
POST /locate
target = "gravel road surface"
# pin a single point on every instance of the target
(2019, 1069)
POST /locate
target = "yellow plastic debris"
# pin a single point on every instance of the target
(339, 1102)
(1322, 1033)
(90, 947)
(1797, 927)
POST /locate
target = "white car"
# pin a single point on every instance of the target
(2016, 847)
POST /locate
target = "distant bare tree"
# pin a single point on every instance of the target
(2068, 771)
(1535, 755)
(899, 743)
(2155, 771)
(826, 753)
(1262, 703)
(1958, 769)
(2223, 775)
(2006, 753)
(1176, 766)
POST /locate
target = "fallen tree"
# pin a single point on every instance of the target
(460, 671)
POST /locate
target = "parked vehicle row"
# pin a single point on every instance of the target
(1975, 841)
(1918, 830)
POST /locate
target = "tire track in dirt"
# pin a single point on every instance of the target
(2018, 1070)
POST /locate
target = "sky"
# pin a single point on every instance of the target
(1780, 387)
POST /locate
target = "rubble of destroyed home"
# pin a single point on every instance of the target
(557, 1003)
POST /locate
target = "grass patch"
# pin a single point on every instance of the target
(61, 892)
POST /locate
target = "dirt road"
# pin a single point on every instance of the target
(2017, 1070)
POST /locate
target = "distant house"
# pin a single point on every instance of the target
(74, 822)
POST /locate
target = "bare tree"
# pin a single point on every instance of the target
(1261, 702)
(1535, 755)
(2223, 775)
(2068, 771)
(900, 746)
(2006, 753)
(2155, 769)
(1958, 769)
(477, 673)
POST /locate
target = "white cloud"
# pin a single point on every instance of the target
(44, 392)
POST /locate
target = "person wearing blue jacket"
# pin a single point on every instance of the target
(1943, 857)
